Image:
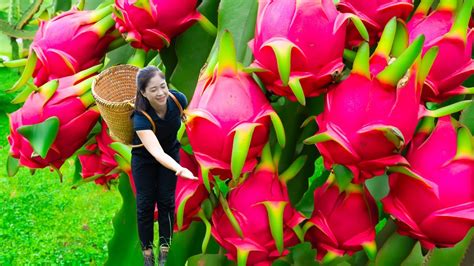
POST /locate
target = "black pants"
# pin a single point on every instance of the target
(154, 184)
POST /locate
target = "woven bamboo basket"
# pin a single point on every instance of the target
(114, 91)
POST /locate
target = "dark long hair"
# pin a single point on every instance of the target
(143, 77)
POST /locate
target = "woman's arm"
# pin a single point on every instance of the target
(153, 146)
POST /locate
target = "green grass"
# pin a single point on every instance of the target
(43, 221)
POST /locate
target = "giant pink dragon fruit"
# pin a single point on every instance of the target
(329, 229)
(443, 197)
(71, 42)
(257, 221)
(298, 46)
(189, 193)
(99, 164)
(150, 24)
(54, 121)
(449, 32)
(370, 117)
(229, 107)
(375, 14)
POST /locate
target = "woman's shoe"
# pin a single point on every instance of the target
(163, 255)
(149, 259)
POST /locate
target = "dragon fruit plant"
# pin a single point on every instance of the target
(334, 235)
(443, 197)
(98, 162)
(255, 230)
(54, 122)
(69, 43)
(374, 14)
(302, 55)
(383, 101)
(230, 104)
(377, 76)
(446, 29)
(151, 24)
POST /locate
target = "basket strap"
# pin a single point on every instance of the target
(149, 119)
(153, 126)
(181, 111)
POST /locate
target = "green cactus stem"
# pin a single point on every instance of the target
(11, 31)
(230, 216)
(207, 25)
(207, 235)
(42, 135)
(138, 59)
(394, 72)
(28, 14)
(15, 63)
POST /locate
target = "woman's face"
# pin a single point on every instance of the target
(156, 90)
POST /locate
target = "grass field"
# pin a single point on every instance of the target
(43, 221)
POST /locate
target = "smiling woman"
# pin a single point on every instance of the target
(155, 164)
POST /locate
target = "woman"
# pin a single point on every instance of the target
(155, 165)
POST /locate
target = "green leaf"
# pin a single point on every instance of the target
(42, 135)
(124, 247)
(415, 257)
(394, 250)
(77, 171)
(62, 5)
(13, 165)
(222, 186)
(378, 186)
(319, 177)
(303, 255)
(119, 56)
(182, 248)
(343, 176)
(192, 49)
(209, 259)
(238, 17)
(451, 256)
(467, 117)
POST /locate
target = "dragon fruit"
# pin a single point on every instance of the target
(302, 55)
(150, 24)
(448, 31)
(99, 163)
(229, 104)
(370, 117)
(71, 42)
(257, 222)
(375, 14)
(54, 121)
(329, 230)
(189, 193)
(443, 196)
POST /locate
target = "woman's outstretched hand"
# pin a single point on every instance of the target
(184, 172)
